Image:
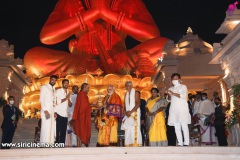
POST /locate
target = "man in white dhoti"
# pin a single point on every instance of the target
(205, 109)
(196, 105)
(48, 118)
(71, 138)
(179, 116)
(131, 121)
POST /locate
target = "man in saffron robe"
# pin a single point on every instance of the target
(107, 119)
(82, 116)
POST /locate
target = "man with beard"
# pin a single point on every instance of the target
(63, 102)
(82, 116)
(48, 123)
(107, 119)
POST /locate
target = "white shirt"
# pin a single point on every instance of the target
(206, 107)
(62, 108)
(196, 107)
(71, 109)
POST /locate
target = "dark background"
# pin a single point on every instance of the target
(21, 20)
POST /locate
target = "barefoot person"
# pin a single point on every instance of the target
(107, 119)
(131, 121)
(82, 116)
(48, 101)
(71, 138)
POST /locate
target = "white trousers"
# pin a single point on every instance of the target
(179, 127)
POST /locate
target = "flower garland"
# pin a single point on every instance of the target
(232, 118)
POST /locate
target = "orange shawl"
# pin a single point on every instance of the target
(114, 105)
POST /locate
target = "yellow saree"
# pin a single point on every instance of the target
(156, 124)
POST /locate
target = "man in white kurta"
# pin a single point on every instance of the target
(196, 104)
(205, 109)
(48, 118)
(179, 116)
(71, 138)
(131, 121)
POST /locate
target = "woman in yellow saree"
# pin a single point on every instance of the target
(155, 119)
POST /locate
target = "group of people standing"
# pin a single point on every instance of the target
(209, 115)
(65, 114)
(162, 121)
(69, 115)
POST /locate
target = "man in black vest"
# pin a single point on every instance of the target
(10, 119)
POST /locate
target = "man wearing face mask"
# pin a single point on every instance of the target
(48, 117)
(179, 116)
(11, 115)
(215, 95)
(219, 123)
(206, 109)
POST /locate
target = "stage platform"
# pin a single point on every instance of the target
(123, 153)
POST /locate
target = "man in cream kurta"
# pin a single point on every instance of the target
(48, 118)
(131, 121)
(205, 109)
(179, 116)
(71, 138)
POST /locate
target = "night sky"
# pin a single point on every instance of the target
(21, 20)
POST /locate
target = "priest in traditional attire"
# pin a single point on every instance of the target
(131, 121)
(82, 116)
(107, 118)
(48, 117)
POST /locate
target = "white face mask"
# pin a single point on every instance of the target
(11, 102)
(175, 82)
